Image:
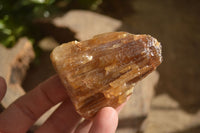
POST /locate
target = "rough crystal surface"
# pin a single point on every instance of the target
(102, 71)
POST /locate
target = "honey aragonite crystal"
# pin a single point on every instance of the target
(102, 71)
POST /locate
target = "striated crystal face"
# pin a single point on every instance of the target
(102, 71)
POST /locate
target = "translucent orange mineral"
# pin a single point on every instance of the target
(102, 71)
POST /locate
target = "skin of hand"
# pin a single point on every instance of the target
(23, 113)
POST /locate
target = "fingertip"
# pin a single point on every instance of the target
(105, 121)
(107, 112)
(2, 87)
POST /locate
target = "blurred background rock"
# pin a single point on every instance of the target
(175, 23)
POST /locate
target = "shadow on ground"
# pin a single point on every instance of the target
(131, 122)
(195, 129)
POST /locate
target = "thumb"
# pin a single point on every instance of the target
(105, 121)
(2, 88)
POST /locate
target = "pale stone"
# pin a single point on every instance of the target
(86, 24)
(166, 116)
(14, 63)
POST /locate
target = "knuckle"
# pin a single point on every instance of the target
(25, 110)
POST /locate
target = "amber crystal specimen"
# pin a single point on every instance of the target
(102, 71)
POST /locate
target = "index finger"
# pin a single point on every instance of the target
(20, 115)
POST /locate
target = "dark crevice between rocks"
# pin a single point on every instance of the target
(116, 8)
(43, 69)
(60, 34)
(133, 122)
(38, 72)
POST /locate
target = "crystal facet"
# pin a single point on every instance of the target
(102, 71)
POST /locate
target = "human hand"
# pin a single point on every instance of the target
(23, 113)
